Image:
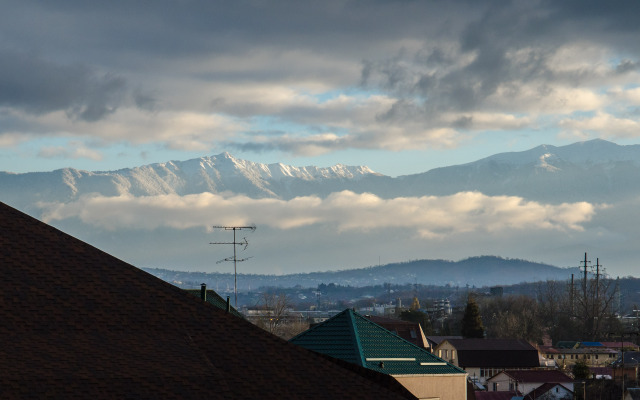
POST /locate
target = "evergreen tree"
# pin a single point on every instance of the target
(580, 370)
(419, 317)
(471, 321)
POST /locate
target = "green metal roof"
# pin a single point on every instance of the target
(217, 300)
(351, 337)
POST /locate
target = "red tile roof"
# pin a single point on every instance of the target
(77, 322)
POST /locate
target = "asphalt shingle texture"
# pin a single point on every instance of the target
(76, 322)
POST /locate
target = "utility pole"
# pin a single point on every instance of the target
(596, 303)
(235, 259)
(584, 280)
(572, 289)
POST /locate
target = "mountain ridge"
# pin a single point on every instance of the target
(544, 173)
(612, 178)
(473, 271)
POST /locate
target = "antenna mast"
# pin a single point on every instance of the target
(235, 259)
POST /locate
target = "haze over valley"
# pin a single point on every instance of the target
(548, 204)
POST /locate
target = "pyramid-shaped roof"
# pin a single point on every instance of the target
(351, 337)
(76, 322)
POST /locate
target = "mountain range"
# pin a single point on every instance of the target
(480, 271)
(596, 171)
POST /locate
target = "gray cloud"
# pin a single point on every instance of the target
(428, 59)
(29, 83)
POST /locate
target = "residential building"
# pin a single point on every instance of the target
(632, 394)
(483, 358)
(79, 323)
(592, 356)
(410, 331)
(528, 381)
(498, 395)
(434, 341)
(550, 391)
(353, 338)
(627, 367)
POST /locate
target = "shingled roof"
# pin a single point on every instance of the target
(77, 322)
(534, 376)
(216, 300)
(351, 337)
(495, 353)
(409, 331)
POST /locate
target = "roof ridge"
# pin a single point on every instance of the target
(403, 340)
(354, 331)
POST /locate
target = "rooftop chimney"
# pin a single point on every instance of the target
(228, 304)
(203, 291)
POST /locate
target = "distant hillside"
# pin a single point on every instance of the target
(475, 271)
(596, 170)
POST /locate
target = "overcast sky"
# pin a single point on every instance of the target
(399, 86)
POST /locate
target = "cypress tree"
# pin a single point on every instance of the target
(471, 321)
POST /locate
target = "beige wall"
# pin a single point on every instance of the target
(441, 387)
(593, 359)
(447, 352)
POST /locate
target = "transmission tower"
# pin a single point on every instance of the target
(235, 259)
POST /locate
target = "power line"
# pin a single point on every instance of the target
(235, 259)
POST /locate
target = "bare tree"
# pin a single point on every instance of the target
(594, 305)
(275, 308)
(580, 310)
(512, 317)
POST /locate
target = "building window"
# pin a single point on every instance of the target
(453, 354)
(446, 353)
(495, 387)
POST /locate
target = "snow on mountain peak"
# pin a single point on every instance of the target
(545, 165)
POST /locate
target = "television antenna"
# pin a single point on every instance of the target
(235, 259)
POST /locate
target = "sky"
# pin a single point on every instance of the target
(399, 86)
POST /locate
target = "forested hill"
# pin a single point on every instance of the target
(475, 271)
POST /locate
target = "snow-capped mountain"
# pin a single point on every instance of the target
(596, 170)
(215, 174)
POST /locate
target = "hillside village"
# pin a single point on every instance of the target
(80, 320)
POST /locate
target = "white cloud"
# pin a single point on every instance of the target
(74, 150)
(179, 130)
(604, 124)
(430, 216)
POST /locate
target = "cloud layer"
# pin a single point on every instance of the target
(430, 216)
(331, 76)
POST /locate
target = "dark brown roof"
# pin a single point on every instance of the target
(536, 376)
(495, 353)
(409, 331)
(77, 322)
(496, 395)
(436, 340)
(542, 390)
